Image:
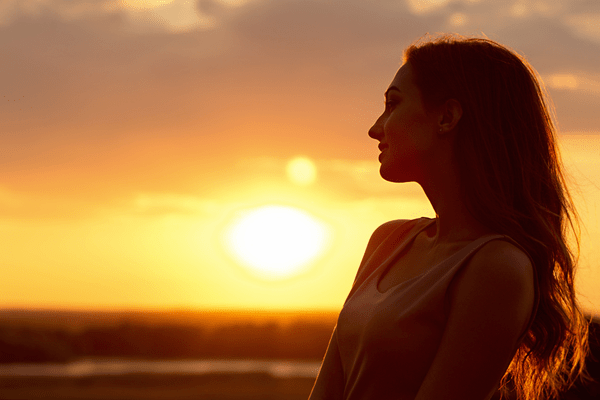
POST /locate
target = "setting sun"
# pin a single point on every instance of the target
(275, 242)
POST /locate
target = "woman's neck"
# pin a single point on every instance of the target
(454, 223)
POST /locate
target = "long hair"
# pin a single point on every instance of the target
(512, 182)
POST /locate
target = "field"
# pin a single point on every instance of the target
(41, 336)
(158, 387)
(61, 337)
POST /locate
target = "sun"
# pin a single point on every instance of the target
(275, 242)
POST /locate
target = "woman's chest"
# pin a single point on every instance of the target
(397, 327)
(413, 260)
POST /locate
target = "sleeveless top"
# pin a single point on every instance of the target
(385, 342)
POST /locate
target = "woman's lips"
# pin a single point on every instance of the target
(382, 147)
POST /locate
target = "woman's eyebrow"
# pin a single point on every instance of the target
(391, 88)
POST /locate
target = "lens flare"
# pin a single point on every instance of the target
(301, 171)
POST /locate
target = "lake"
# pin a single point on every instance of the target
(88, 368)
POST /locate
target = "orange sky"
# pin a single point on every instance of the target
(132, 135)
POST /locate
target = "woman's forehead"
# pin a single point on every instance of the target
(403, 80)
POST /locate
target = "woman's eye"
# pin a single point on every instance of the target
(389, 104)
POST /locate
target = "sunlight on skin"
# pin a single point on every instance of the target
(301, 171)
(275, 242)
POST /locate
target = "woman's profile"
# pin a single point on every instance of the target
(480, 300)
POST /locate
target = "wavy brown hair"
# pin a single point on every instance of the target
(512, 182)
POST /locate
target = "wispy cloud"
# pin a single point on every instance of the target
(170, 15)
(586, 26)
(178, 204)
(583, 82)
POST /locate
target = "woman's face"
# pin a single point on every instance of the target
(406, 131)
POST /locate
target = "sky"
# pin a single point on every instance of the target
(134, 134)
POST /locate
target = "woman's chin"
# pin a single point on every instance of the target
(391, 175)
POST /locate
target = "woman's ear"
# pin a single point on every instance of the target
(451, 113)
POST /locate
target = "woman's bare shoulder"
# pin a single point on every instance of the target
(380, 234)
(386, 228)
(500, 257)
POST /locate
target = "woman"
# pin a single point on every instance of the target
(481, 297)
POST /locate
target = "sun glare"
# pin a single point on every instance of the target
(301, 171)
(275, 242)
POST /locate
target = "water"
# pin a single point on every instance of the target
(83, 368)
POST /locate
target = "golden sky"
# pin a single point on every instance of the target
(133, 134)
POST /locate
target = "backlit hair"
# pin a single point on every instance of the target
(512, 182)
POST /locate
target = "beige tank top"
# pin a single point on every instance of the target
(385, 342)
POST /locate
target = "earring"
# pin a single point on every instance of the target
(440, 130)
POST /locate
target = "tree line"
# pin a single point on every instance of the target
(297, 340)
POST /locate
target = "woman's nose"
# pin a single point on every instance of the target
(376, 131)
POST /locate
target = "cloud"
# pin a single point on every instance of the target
(98, 101)
(171, 15)
(174, 204)
(458, 19)
(586, 26)
(66, 10)
(495, 13)
(576, 96)
(562, 81)
(353, 179)
(142, 16)
(549, 45)
(425, 6)
(582, 82)
(531, 8)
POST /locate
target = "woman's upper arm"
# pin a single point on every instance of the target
(329, 384)
(491, 302)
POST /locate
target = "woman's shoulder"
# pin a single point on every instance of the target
(503, 257)
(500, 275)
(388, 227)
(383, 232)
(499, 262)
(385, 229)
